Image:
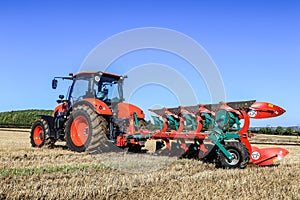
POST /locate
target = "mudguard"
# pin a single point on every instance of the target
(97, 105)
(61, 108)
(50, 121)
(126, 110)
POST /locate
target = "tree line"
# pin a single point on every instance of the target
(21, 118)
(279, 130)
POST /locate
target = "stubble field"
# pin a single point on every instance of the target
(30, 173)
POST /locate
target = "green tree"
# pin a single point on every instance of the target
(279, 130)
(22, 117)
(289, 131)
(266, 130)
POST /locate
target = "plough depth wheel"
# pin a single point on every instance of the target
(240, 153)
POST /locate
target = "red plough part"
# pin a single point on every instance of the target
(214, 123)
(267, 156)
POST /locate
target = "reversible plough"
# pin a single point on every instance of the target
(216, 131)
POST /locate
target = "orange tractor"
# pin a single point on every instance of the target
(92, 116)
(95, 118)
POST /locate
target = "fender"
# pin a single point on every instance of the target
(50, 121)
(126, 110)
(58, 109)
(97, 105)
(61, 108)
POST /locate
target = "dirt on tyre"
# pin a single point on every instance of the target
(240, 153)
(39, 134)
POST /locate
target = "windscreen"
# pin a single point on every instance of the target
(108, 89)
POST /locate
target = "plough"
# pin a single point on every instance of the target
(216, 131)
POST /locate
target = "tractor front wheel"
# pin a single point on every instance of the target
(39, 135)
(240, 153)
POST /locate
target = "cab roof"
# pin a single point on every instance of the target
(99, 73)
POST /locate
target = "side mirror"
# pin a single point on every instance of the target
(54, 84)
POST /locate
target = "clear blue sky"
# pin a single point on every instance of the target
(255, 45)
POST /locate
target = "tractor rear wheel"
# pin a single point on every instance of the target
(39, 135)
(85, 130)
(240, 153)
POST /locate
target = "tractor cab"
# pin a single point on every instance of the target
(105, 87)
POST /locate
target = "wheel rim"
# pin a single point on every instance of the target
(79, 131)
(38, 135)
(236, 157)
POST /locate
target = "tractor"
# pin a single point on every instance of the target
(92, 115)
